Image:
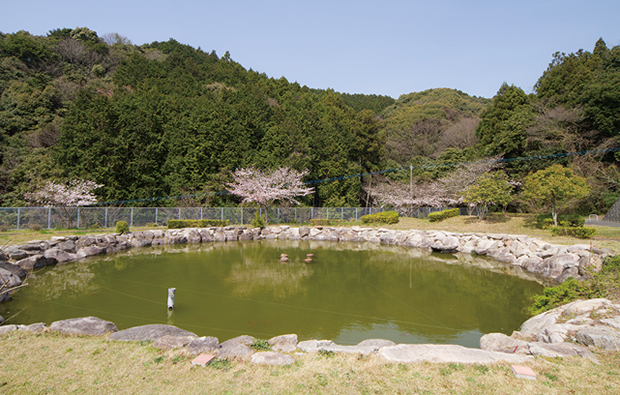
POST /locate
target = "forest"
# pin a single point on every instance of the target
(167, 120)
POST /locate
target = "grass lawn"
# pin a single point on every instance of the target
(56, 363)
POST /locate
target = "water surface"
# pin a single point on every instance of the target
(350, 292)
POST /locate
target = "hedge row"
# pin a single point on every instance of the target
(327, 222)
(196, 223)
(386, 218)
(576, 231)
(544, 221)
(445, 214)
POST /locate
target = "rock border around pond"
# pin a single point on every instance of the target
(551, 261)
(570, 330)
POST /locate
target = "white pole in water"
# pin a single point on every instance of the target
(171, 298)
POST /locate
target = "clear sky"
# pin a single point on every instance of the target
(357, 46)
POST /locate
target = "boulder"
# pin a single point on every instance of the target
(35, 262)
(4, 329)
(603, 337)
(561, 350)
(204, 344)
(447, 245)
(150, 332)
(3, 256)
(34, 328)
(502, 343)
(284, 343)
(168, 342)
(378, 343)
(313, 345)
(8, 279)
(441, 353)
(236, 348)
(271, 358)
(18, 255)
(304, 231)
(67, 246)
(84, 326)
(59, 255)
(90, 251)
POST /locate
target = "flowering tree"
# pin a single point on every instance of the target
(448, 191)
(264, 187)
(76, 193)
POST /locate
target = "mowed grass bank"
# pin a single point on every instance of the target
(56, 363)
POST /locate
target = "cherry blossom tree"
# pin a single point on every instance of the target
(447, 191)
(264, 187)
(75, 193)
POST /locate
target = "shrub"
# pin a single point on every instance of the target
(4, 227)
(258, 221)
(35, 227)
(579, 231)
(122, 227)
(196, 223)
(602, 284)
(545, 221)
(386, 217)
(445, 214)
(260, 345)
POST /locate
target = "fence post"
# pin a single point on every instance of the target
(327, 213)
(222, 213)
(311, 212)
(356, 214)
(105, 218)
(78, 218)
(342, 213)
(49, 218)
(19, 212)
(131, 217)
(278, 214)
(241, 216)
(201, 213)
(155, 215)
(295, 214)
(179, 213)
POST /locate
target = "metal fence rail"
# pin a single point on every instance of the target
(106, 217)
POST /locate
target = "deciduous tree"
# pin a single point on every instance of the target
(264, 187)
(490, 188)
(555, 186)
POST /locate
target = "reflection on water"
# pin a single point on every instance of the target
(350, 292)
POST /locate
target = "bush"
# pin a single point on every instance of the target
(579, 232)
(122, 227)
(196, 223)
(445, 214)
(604, 284)
(258, 221)
(4, 228)
(545, 221)
(386, 217)
(35, 227)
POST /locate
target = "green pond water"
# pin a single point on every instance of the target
(350, 292)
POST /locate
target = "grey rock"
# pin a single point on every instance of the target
(1, 320)
(18, 255)
(234, 351)
(284, 343)
(603, 337)
(168, 342)
(204, 345)
(84, 326)
(314, 345)
(613, 322)
(502, 343)
(271, 358)
(378, 343)
(67, 246)
(560, 350)
(5, 329)
(206, 236)
(364, 350)
(35, 262)
(9, 279)
(3, 256)
(245, 340)
(411, 353)
(149, 332)
(34, 328)
(92, 250)
(59, 255)
(304, 231)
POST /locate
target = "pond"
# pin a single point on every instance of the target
(348, 293)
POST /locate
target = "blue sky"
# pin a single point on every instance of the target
(373, 47)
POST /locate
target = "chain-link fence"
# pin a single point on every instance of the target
(107, 217)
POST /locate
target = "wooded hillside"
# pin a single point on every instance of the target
(165, 119)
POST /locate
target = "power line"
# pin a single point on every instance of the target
(340, 178)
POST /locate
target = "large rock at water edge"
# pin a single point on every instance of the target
(84, 326)
(150, 332)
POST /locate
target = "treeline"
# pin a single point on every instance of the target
(166, 119)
